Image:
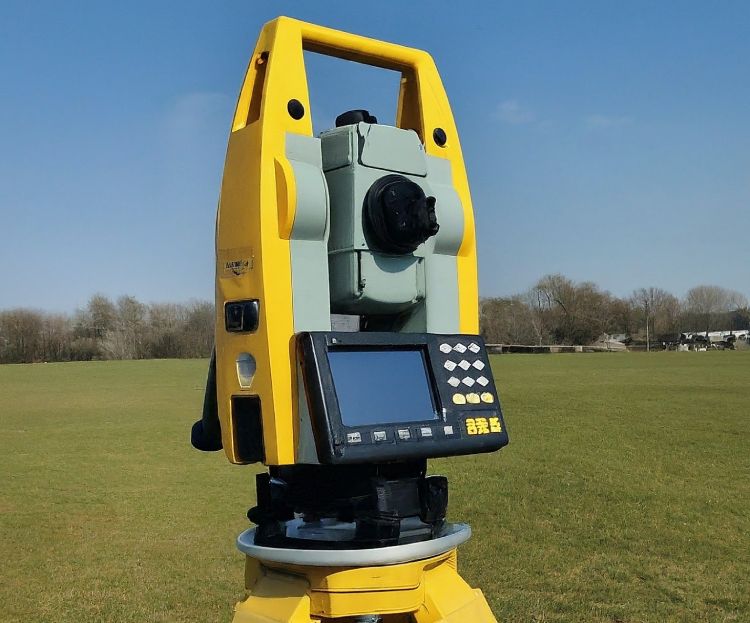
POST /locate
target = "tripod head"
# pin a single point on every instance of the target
(346, 294)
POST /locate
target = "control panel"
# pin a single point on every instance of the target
(386, 396)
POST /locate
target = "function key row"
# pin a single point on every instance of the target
(400, 434)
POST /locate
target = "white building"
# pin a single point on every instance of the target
(716, 336)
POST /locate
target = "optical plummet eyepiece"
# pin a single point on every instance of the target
(398, 217)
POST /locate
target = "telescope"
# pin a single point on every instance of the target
(347, 349)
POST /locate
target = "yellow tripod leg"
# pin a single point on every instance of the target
(422, 591)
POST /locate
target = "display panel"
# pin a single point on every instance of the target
(381, 386)
(379, 397)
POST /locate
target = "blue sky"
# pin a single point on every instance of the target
(607, 141)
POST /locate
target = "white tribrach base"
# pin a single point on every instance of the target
(451, 537)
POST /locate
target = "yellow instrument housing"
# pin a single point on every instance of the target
(422, 591)
(257, 206)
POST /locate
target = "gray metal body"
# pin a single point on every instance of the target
(422, 287)
(334, 271)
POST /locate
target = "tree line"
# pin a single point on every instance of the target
(557, 310)
(106, 329)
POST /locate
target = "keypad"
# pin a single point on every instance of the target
(472, 364)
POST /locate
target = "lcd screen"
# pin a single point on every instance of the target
(381, 386)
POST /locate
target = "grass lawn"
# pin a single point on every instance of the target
(624, 495)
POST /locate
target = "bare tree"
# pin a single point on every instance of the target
(127, 336)
(704, 304)
(575, 313)
(655, 303)
(537, 302)
(199, 329)
(56, 336)
(506, 321)
(667, 316)
(622, 316)
(102, 315)
(20, 336)
(165, 324)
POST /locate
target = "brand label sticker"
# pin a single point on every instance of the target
(235, 262)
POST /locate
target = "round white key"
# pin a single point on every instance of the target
(445, 348)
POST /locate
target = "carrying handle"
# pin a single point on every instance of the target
(360, 49)
(417, 72)
(277, 71)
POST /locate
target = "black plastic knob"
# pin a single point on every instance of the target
(352, 117)
(398, 217)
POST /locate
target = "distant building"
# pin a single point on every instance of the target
(725, 338)
(611, 342)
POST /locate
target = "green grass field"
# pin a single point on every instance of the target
(624, 495)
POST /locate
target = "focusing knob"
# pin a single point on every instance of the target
(398, 217)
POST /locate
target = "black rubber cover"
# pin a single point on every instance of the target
(206, 432)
